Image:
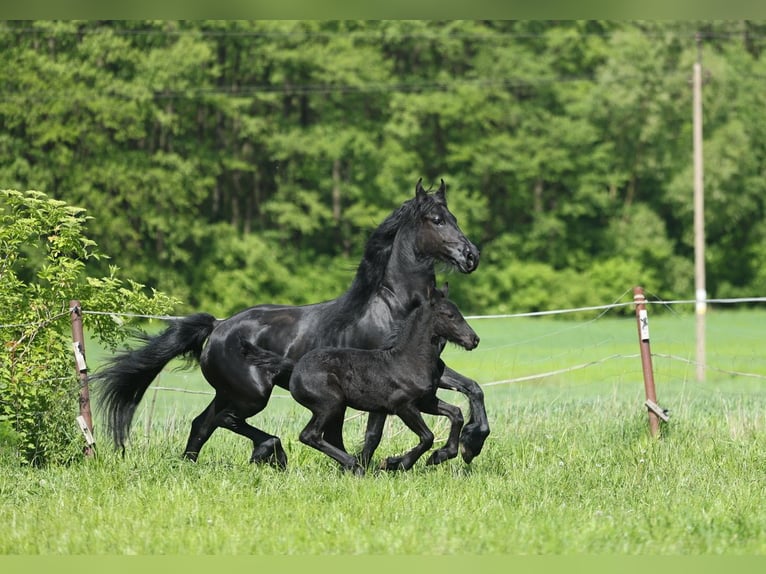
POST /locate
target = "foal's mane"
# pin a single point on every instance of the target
(403, 332)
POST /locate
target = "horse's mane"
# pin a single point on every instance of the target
(377, 250)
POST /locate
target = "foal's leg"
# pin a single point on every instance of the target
(431, 405)
(435, 406)
(313, 436)
(372, 435)
(333, 430)
(475, 432)
(410, 415)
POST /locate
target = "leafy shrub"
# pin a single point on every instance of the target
(43, 256)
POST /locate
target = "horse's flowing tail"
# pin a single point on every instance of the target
(122, 382)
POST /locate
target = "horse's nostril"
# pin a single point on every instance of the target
(471, 254)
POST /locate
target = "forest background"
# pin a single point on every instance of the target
(231, 163)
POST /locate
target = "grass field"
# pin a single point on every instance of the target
(569, 467)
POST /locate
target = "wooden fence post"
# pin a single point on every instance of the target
(642, 319)
(85, 419)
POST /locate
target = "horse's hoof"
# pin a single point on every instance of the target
(275, 462)
(190, 456)
(279, 461)
(356, 470)
(273, 455)
(471, 442)
(438, 457)
(392, 463)
(363, 459)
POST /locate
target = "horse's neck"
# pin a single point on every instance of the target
(378, 299)
(404, 282)
(407, 278)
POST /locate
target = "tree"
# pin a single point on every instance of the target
(227, 160)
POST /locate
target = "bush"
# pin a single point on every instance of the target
(43, 256)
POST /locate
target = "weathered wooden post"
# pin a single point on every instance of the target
(84, 419)
(642, 318)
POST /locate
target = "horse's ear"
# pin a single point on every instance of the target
(419, 191)
(442, 189)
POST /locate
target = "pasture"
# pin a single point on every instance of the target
(568, 469)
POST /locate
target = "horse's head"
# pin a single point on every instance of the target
(448, 321)
(438, 234)
(420, 231)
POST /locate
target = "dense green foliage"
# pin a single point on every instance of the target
(236, 162)
(44, 264)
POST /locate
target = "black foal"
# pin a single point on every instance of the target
(429, 404)
(396, 380)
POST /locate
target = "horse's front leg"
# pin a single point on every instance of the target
(476, 431)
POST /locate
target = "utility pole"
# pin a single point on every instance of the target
(699, 217)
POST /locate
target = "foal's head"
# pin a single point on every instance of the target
(449, 323)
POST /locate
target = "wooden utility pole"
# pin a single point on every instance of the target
(699, 218)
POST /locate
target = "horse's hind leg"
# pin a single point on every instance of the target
(202, 428)
(266, 447)
(333, 430)
(414, 421)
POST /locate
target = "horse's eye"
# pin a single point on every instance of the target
(438, 220)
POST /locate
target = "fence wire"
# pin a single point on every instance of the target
(604, 309)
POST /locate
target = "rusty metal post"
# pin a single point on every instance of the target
(85, 419)
(642, 319)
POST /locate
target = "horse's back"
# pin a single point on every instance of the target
(280, 329)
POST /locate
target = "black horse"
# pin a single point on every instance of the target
(392, 380)
(395, 273)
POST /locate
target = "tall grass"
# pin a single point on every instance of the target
(569, 466)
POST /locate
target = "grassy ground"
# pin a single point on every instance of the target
(569, 466)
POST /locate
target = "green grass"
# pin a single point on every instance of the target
(569, 466)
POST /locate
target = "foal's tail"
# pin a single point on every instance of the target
(121, 384)
(277, 367)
